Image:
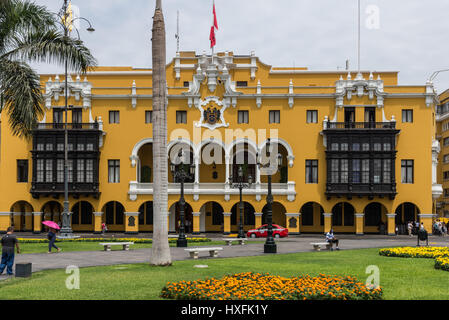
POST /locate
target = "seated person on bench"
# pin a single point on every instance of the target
(331, 239)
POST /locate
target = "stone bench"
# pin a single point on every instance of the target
(194, 252)
(317, 245)
(107, 246)
(229, 241)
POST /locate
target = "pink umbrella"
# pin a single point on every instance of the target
(51, 224)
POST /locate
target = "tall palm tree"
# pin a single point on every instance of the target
(160, 253)
(29, 33)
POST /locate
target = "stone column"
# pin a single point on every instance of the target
(292, 223)
(258, 219)
(391, 224)
(132, 222)
(359, 222)
(196, 222)
(97, 222)
(28, 221)
(227, 223)
(427, 219)
(327, 222)
(37, 219)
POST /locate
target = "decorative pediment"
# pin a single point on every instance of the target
(77, 89)
(360, 87)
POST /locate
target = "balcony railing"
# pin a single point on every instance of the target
(359, 125)
(257, 190)
(70, 126)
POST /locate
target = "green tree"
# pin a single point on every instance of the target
(30, 33)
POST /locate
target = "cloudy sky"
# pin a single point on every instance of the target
(402, 35)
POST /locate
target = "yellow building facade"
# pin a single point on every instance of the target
(357, 149)
(442, 126)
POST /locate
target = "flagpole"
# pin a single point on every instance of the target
(213, 26)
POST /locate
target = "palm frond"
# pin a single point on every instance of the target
(52, 47)
(22, 96)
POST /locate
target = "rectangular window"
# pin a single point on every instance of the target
(148, 116)
(114, 171)
(407, 171)
(58, 118)
(77, 118)
(377, 170)
(70, 170)
(22, 171)
(344, 171)
(311, 171)
(312, 116)
(446, 142)
(365, 171)
(275, 116)
(80, 169)
(48, 170)
(446, 175)
(40, 170)
(89, 171)
(242, 83)
(386, 171)
(407, 115)
(446, 193)
(181, 117)
(60, 170)
(356, 171)
(114, 117)
(243, 117)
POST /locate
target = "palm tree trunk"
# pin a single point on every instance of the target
(160, 253)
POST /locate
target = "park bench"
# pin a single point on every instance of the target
(229, 241)
(194, 252)
(317, 245)
(107, 246)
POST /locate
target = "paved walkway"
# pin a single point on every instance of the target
(293, 244)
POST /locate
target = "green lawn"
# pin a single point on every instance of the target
(401, 278)
(94, 246)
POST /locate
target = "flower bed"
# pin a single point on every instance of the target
(440, 254)
(257, 286)
(135, 240)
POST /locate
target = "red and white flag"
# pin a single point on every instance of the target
(213, 40)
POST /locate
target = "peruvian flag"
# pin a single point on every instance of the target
(212, 38)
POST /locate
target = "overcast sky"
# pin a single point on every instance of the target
(409, 36)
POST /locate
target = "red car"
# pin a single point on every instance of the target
(262, 232)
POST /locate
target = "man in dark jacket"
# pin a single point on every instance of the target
(8, 242)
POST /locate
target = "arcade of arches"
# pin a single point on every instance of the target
(212, 217)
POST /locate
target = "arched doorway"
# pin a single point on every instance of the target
(146, 216)
(375, 218)
(21, 216)
(343, 218)
(213, 163)
(249, 219)
(312, 219)
(281, 175)
(279, 216)
(145, 166)
(211, 219)
(406, 212)
(188, 217)
(114, 216)
(52, 211)
(244, 156)
(82, 216)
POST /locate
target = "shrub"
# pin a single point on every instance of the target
(440, 254)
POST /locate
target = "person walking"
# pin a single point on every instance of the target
(52, 237)
(410, 227)
(103, 228)
(8, 242)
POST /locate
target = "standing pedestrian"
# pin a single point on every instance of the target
(103, 228)
(410, 227)
(8, 242)
(52, 237)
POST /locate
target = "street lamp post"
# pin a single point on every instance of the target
(270, 244)
(181, 175)
(66, 228)
(240, 184)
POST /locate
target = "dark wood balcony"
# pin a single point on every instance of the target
(359, 125)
